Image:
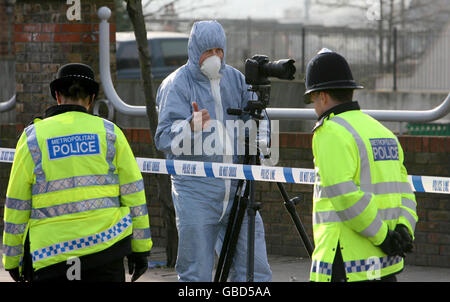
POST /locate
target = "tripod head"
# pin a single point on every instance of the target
(254, 108)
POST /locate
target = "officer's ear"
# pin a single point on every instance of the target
(325, 98)
(58, 98)
(91, 100)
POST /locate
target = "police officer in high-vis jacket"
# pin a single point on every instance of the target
(364, 211)
(75, 203)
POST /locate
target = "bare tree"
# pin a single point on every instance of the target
(134, 9)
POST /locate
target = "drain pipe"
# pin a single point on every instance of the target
(104, 14)
(8, 105)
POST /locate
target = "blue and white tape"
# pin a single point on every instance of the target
(427, 184)
(223, 170)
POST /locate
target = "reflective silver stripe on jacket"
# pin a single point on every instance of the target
(75, 182)
(13, 251)
(339, 189)
(392, 187)
(110, 148)
(75, 207)
(35, 152)
(349, 187)
(18, 204)
(395, 213)
(365, 176)
(344, 215)
(132, 187)
(88, 241)
(384, 214)
(15, 229)
(410, 204)
(139, 210)
(373, 228)
(141, 233)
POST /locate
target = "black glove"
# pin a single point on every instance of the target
(392, 244)
(137, 265)
(407, 242)
(14, 273)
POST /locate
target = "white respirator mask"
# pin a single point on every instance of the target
(211, 66)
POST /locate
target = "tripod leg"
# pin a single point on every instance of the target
(232, 234)
(234, 239)
(298, 224)
(251, 211)
(229, 231)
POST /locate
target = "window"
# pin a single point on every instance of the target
(174, 52)
(128, 56)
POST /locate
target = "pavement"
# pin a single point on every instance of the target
(284, 269)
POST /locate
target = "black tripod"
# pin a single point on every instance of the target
(244, 200)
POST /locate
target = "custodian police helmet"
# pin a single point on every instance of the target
(328, 70)
(69, 72)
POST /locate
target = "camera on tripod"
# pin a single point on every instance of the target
(258, 69)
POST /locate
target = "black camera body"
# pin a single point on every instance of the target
(258, 69)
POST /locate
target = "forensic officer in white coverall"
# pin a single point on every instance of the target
(192, 104)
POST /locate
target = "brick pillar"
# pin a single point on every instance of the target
(48, 35)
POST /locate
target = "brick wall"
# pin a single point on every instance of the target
(430, 156)
(281, 234)
(44, 40)
(423, 156)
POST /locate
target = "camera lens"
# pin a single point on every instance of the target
(282, 69)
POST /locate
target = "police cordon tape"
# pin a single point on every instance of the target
(427, 184)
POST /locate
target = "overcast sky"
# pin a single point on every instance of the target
(271, 9)
(232, 8)
(252, 8)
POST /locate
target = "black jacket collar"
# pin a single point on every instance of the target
(58, 109)
(340, 109)
(348, 106)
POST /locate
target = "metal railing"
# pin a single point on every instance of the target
(104, 13)
(8, 105)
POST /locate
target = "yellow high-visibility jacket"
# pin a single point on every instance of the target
(361, 191)
(75, 188)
